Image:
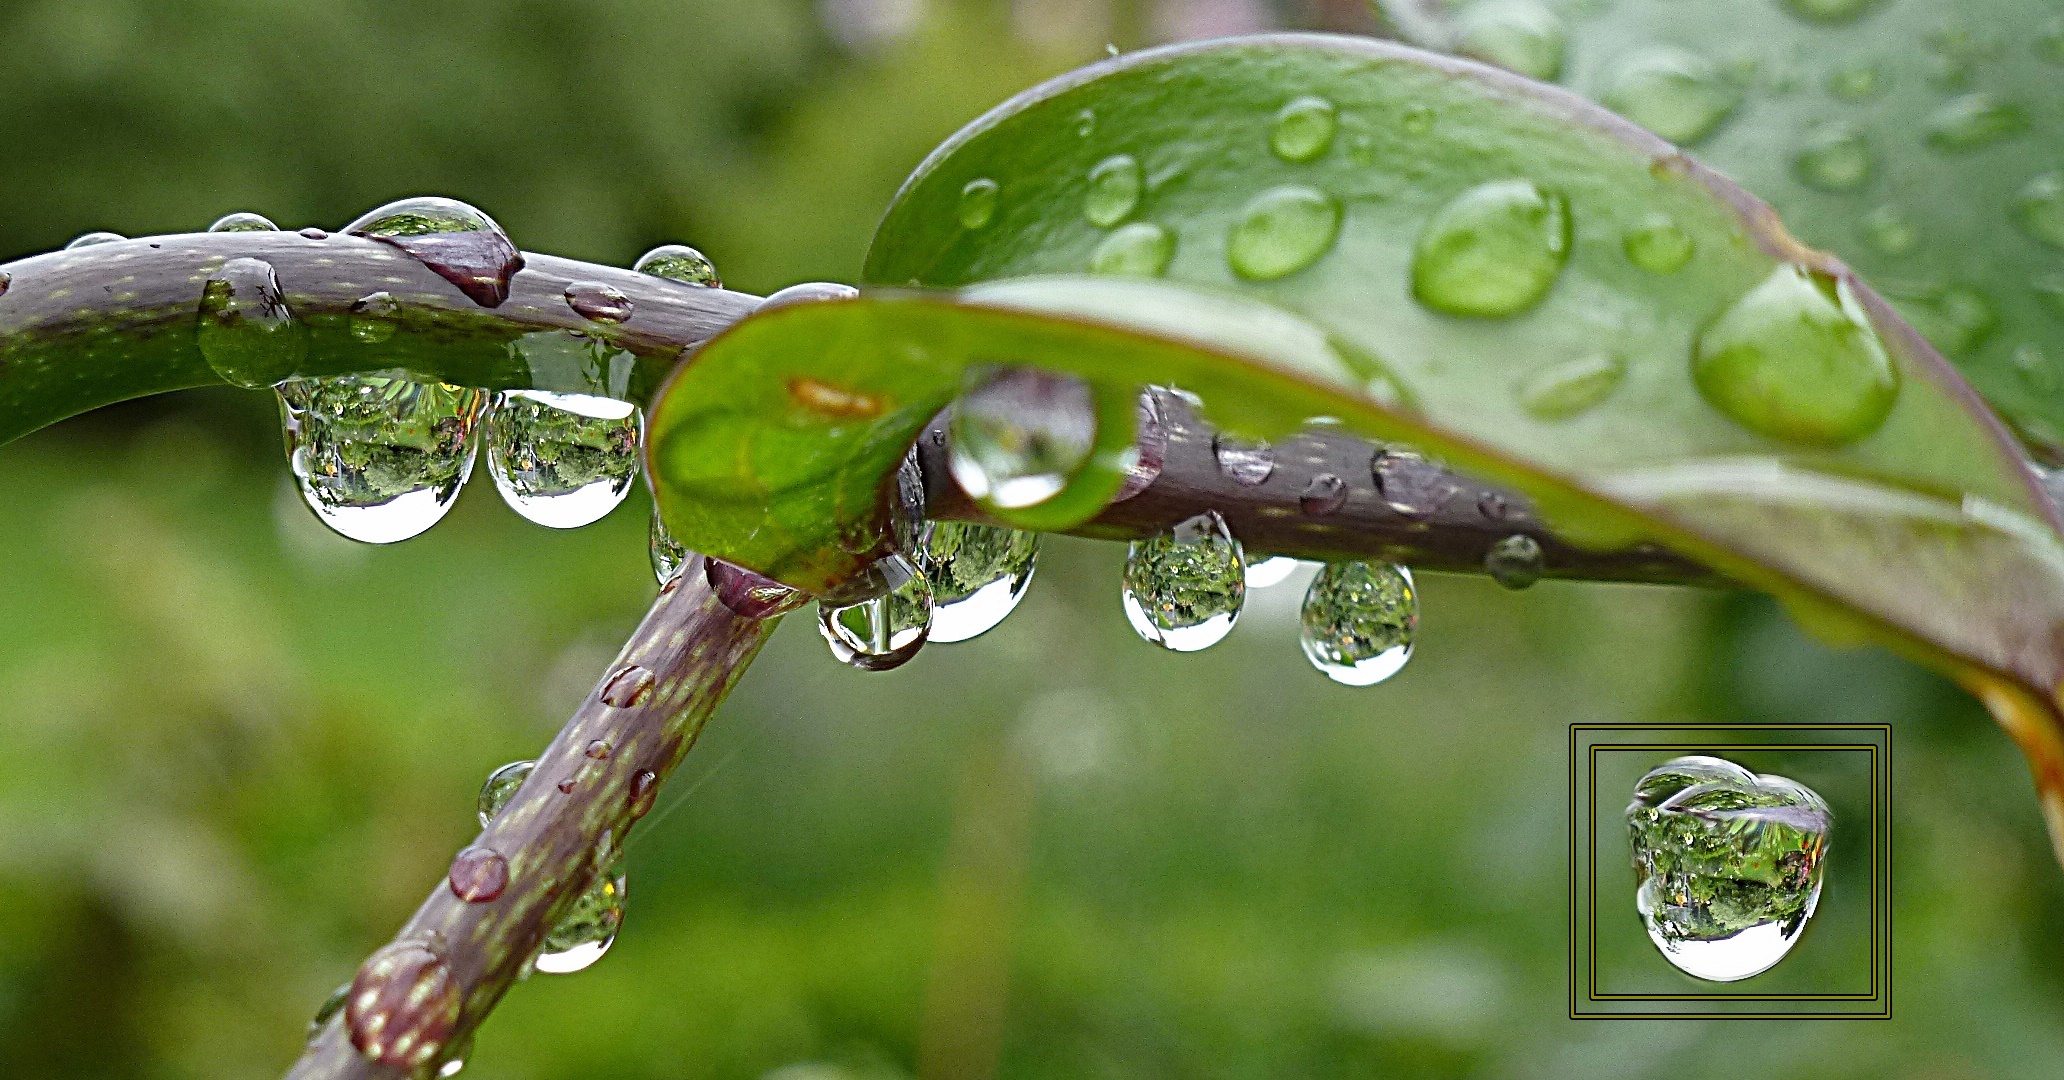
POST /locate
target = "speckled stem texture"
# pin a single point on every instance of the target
(452, 962)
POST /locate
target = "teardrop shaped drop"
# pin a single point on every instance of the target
(885, 628)
(1184, 589)
(978, 203)
(562, 460)
(379, 458)
(1796, 358)
(457, 242)
(499, 786)
(668, 554)
(1020, 435)
(978, 574)
(1493, 252)
(588, 929)
(679, 262)
(1358, 621)
(246, 332)
(243, 221)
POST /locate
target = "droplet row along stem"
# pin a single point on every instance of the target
(562, 826)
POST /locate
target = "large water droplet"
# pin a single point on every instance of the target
(1828, 11)
(246, 332)
(1834, 157)
(1680, 96)
(1358, 621)
(562, 460)
(1974, 120)
(978, 574)
(679, 262)
(888, 625)
(1516, 561)
(1493, 252)
(403, 1006)
(599, 302)
(1522, 36)
(2039, 208)
(1271, 571)
(1184, 589)
(978, 203)
(1728, 864)
(1304, 129)
(809, 292)
(668, 554)
(243, 221)
(1018, 436)
(1888, 229)
(1114, 190)
(478, 875)
(499, 786)
(588, 929)
(1281, 231)
(1796, 358)
(457, 242)
(379, 458)
(1141, 249)
(1411, 485)
(1245, 463)
(1572, 388)
(1658, 244)
(93, 239)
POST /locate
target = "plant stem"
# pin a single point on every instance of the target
(590, 785)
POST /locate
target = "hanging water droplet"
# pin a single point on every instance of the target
(1114, 190)
(978, 203)
(1409, 484)
(1834, 157)
(588, 928)
(1658, 244)
(1828, 11)
(1149, 447)
(594, 300)
(243, 221)
(1270, 571)
(457, 242)
(2039, 208)
(1244, 463)
(809, 292)
(1183, 590)
(1493, 252)
(374, 317)
(1304, 130)
(978, 573)
(1572, 388)
(1515, 562)
(246, 332)
(499, 786)
(1974, 120)
(1859, 80)
(1680, 96)
(1141, 249)
(562, 460)
(1728, 864)
(478, 875)
(403, 1007)
(379, 458)
(1020, 435)
(1522, 36)
(886, 623)
(668, 554)
(1281, 231)
(1325, 494)
(749, 595)
(1890, 231)
(92, 239)
(1358, 621)
(325, 1012)
(679, 262)
(1796, 358)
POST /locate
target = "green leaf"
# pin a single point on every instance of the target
(1918, 140)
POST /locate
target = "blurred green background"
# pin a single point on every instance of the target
(238, 750)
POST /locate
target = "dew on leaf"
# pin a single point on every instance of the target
(1114, 191)
(1973, 121)
(1416, 118)
(1522, 36)
(2039, 208)
(1358, 620)
(1889, 231)
(1658, 244)
(1018, 436)
(1572, 388)
(562, 460)
(978, 203)
(1679, 95)
(379, 458)
(1833, 157)
(1141, 249)
(2049, 289)
(1304, 129)
(1493, 252)
(1281, 231)
(1797, 359)
(1183, 590)
(455, 241)
(1955, 319)
(1860, 80)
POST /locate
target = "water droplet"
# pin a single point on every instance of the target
(588, 929)
(478, 875)
(1572, 388)
(1859, 80)
(978, 203)
(1358, 621)
(455, 1058)
(1141, 249)
(886, 624)
(1493, 252)
(1114, 190)
(1149, 447)
(327, 1011)
(1085, 123)
(679, 262)
(1796, 358)
(1515, 562)
(1416, 118)
(1270, 571)
(668, 554)
(978, 574)
(403, 1007)
(1521, 36)
(749, 595)
(1018, 436)
(809, 292)
(599, 749)
(1409, 484)
(628, 688)
(374, 317)
(1281, 231)
(1834, 157)
(1954, 319)
(499, 786)
(313, 233)
(246, 332)
(594, 300)
(1680, 96)
(2039, 208)
(379, 458)
(6, 279)
(562, 460)
(1658, 244)
(1304, 130)
(1493, 506)
(1828, 11)
(1974, 120)
(1325, 494)
(2050, 290)
(1888, 229)
(1728, 864)
(644, 792)
(1244, 463)
(1184, 589)
(457, 242)
(94, 238)
(243, 222)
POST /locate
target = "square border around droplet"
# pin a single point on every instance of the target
(1721, 737)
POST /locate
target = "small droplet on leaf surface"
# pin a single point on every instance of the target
(1834, 157)
(1140, 249)
(1358, 621)
(499, 786)
(478, 875)
(1493, 252)
(1796, 358)
(1658, 244)
(1888, 230)
(1019, 435)
(1679, 95)
(455, 241)
(379, 458)
(1525, 37)
(978, 203)
(1973, 121)
(562, 460)
(1304, 129)
(1115, 185)
(1184, 589)
(1572, 388)
(2039, 208)
(1281, 231)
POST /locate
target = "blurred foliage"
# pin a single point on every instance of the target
(238, 749)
